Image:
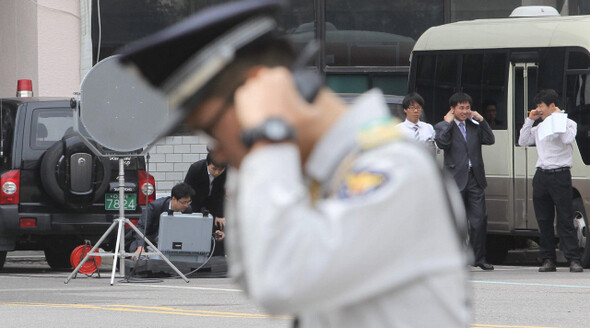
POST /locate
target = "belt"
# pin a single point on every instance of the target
(559, 169)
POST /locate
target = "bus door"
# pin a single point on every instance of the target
(524, 89)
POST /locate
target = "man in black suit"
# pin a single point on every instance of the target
(207, 178)
(149, 222)
(461, 134)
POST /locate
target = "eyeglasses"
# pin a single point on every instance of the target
(220, 111)
(185, 203)
(415, 108)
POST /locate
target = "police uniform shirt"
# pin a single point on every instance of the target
(369, 253)
(555, 150)
(425, 130)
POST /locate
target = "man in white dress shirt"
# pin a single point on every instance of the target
(412, 126)
(552, 184)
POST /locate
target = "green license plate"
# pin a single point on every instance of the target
(111, 202)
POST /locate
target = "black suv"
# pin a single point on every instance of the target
(54, 192)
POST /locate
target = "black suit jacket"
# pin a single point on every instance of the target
(458, 152)
(198, 178)
(149, 222)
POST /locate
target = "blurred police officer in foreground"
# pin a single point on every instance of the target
(336, 219)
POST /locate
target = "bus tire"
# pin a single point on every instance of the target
(581, 225)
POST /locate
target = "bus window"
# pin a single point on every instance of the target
(578, 109)
(446, 69)
(426, 65)
(494, 89)
(578, 60)
(482, 75)
(471, 78)
(577, 99)
(425, 84)
(483, 78)
(551, 69)
(445, 85)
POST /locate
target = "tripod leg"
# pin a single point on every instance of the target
(117, 250)
(122, 249)
(82, 254)
(93, 259)
(98, 243)
(157, 251)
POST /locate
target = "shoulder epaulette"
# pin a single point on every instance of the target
(378, 132)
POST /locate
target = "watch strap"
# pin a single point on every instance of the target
(262, 132)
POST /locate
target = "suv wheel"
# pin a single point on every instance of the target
(72, 175)
(57, 253)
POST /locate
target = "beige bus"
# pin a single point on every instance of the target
(503, 63)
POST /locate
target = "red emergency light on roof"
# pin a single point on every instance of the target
(24, 88)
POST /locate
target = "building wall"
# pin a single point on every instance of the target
(18, 41)
(58, 26)
(170, 159)
(40, 41)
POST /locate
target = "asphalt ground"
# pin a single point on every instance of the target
(32, 295)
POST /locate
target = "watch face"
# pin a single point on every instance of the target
(276, 130)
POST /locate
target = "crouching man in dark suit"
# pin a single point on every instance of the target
(461, 134)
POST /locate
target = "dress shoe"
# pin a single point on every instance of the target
(548, 266)
(484, 266)
(575, 266)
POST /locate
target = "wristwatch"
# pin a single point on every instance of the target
(273, 130)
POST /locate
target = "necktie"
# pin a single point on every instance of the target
(416, 134)
(462, 128)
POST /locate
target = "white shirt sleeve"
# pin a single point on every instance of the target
(570, 133)
(527, 137)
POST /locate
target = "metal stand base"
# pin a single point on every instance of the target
(120, 222)
(120, 246)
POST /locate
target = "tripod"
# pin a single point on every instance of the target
(120, 245)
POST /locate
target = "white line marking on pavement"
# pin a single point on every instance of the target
(32, 275)
(63, 288)
(187, 287)
(24, 257)
(527, 284)
(84, 289)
